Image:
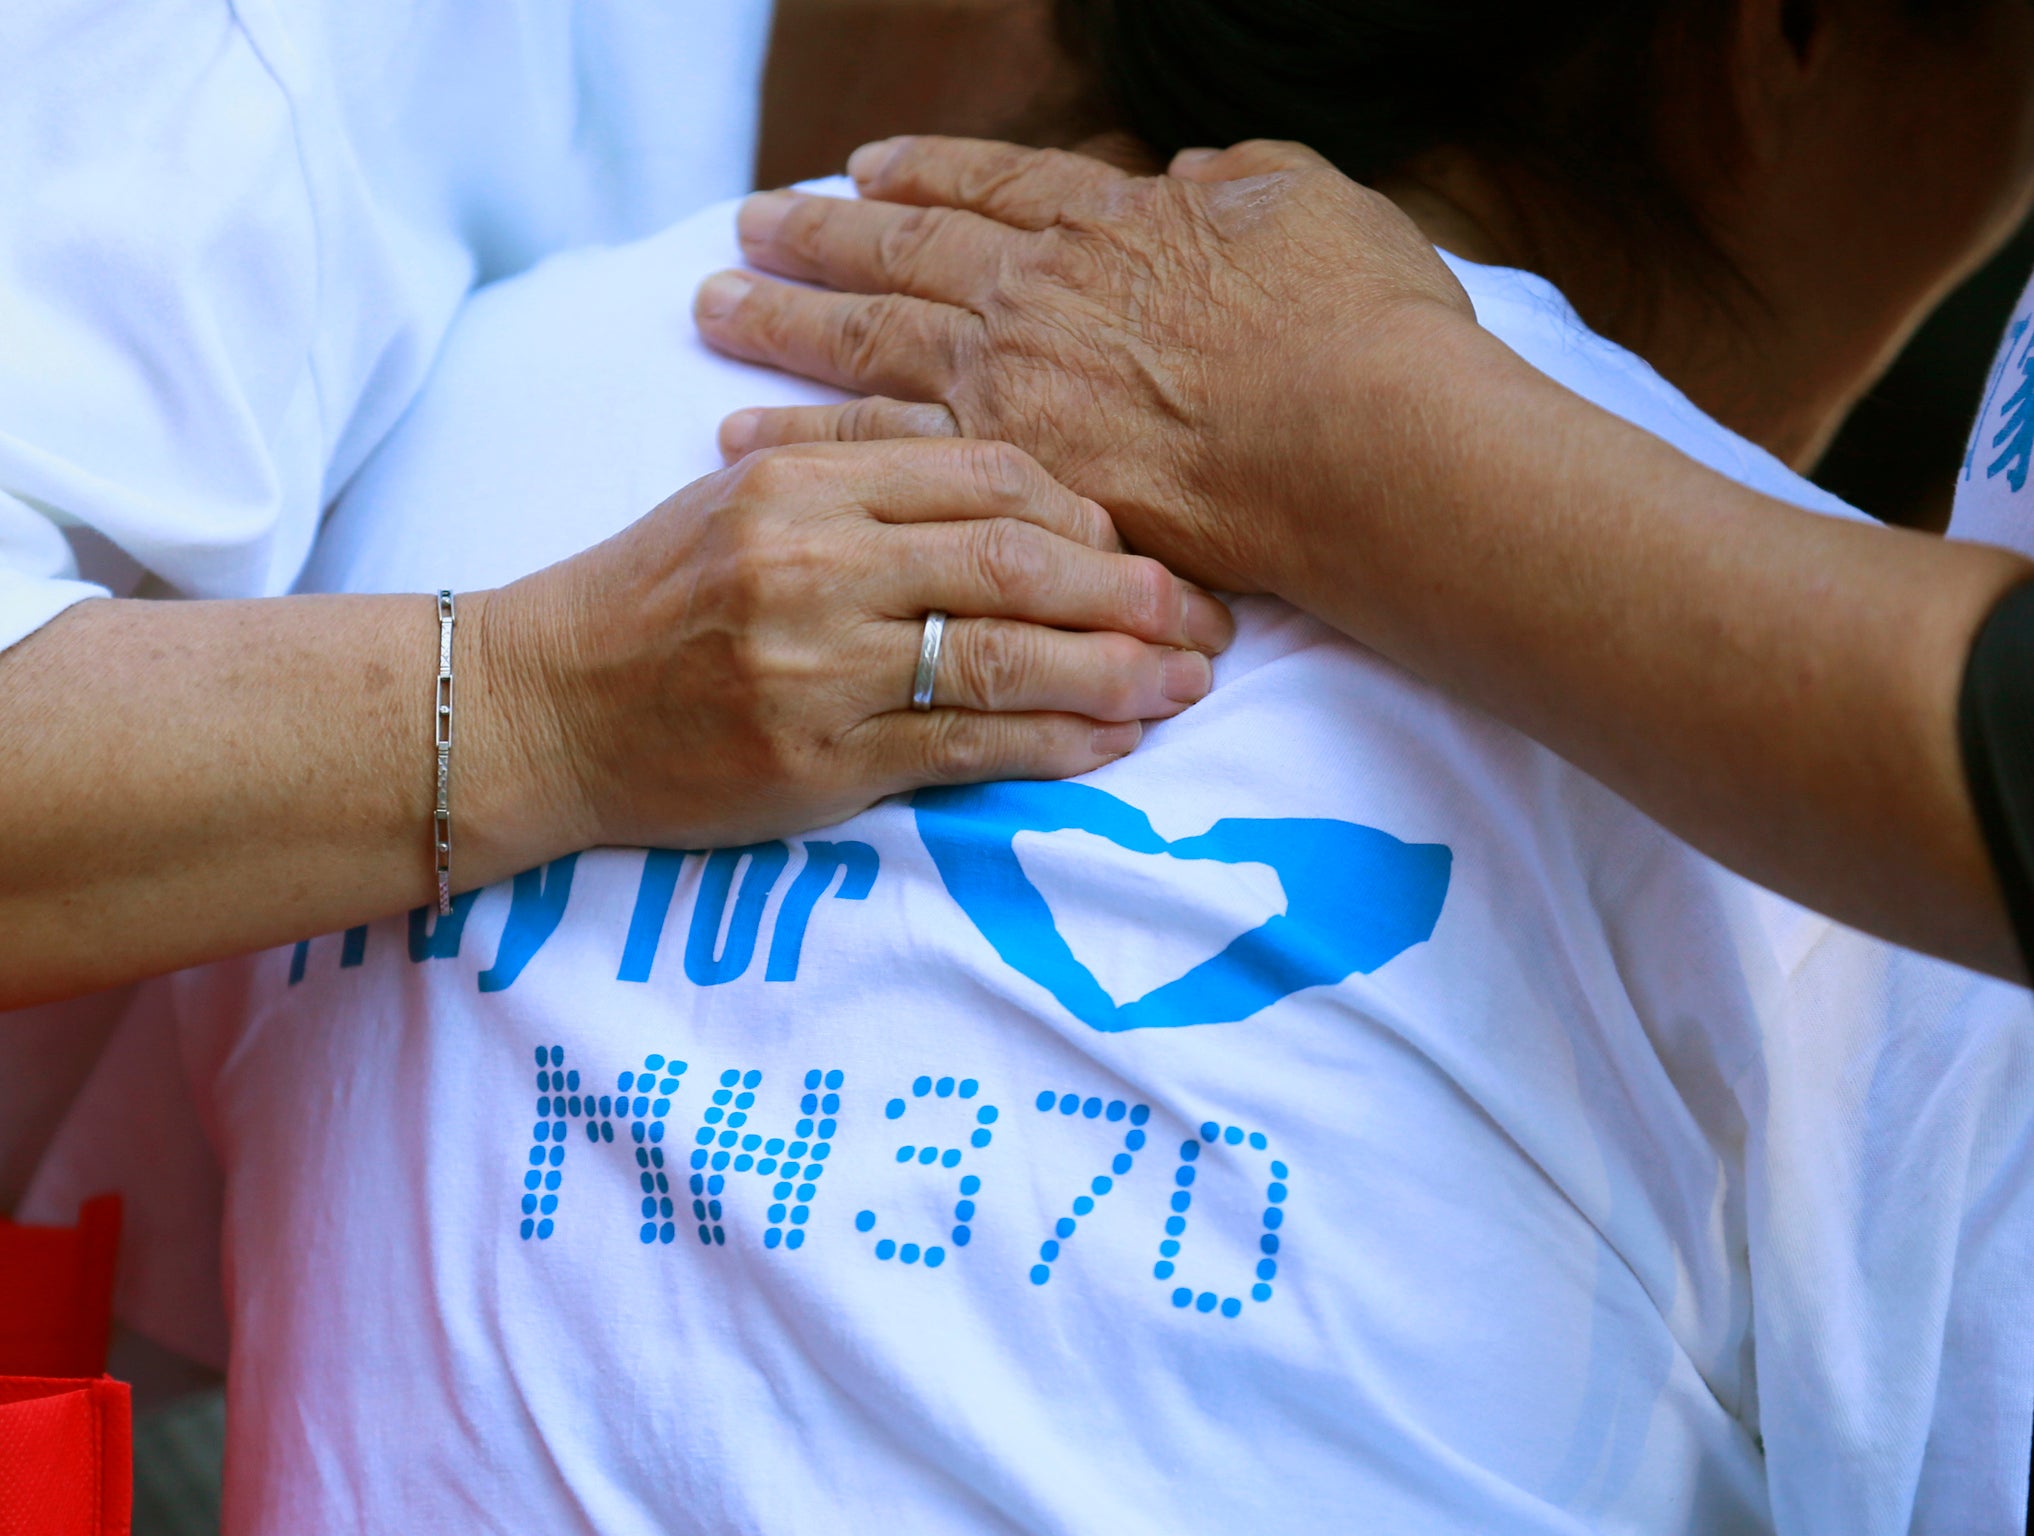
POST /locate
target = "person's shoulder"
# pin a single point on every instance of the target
(655, 274)
(564, 404)
(1532, 317)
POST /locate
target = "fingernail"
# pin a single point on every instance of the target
(762, 216)
(1187, 677)
(870, 161)
(720, 294)
(1209, 624)
(1188, 159)
(1116, 740)
(738, 433)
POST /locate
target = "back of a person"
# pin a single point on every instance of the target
(1340, 1104)
(1340, 1111)
(1039, 1157)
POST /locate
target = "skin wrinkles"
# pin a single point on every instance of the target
(1776, 688)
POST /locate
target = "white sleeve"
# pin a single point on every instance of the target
(38, 572)
(159, 288)
(234, 232)
(1890, 1165)
(1994, 500)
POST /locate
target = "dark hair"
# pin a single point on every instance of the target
(1373, 83)
(1568, 88)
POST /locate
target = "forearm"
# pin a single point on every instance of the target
(1778, 687)
(1199, 353)
(182, 781)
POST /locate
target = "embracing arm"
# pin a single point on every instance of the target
(182, 781)
(1778, 687)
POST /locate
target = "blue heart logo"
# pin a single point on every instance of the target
(1355, 898)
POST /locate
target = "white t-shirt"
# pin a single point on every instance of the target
(1993, 502)
(1341, 1110)
(231, 238)
(236, 232)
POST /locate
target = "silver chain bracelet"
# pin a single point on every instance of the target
(441, 818)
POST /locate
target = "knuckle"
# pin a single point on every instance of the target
(1071, 262)
(987, 173)
(1118, 700)
(1118, 657)
(866, 327)
(998, 665)
(1003, 475)
(770, 573)
(1150, 594)
(860, 421)
(767, 475)
(748, 587)
(1120, 665)
(1094, 527)
(760, 318)
(915, 420)
(1011, 560)
(803, 231)
(902, 243)
(731, 532)
(955, 748)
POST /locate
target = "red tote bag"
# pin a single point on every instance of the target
(66, 1457)
(66, 1430)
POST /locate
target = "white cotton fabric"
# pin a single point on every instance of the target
(232, 234)
(235, 233)
(1994, 504)
(1607, 1193)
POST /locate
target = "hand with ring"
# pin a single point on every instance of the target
(819, 626)
(930, 645)
(1138, 334)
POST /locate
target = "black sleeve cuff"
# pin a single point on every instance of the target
(1996, 722)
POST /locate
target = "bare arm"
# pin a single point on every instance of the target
(184, 781)
(187, 780)
(1778, 687)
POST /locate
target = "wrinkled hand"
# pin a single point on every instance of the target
(738, 665)
(1164, 345)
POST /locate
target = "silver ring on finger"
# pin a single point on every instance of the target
(930, 643)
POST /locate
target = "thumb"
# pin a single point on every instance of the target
(1254, 157)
